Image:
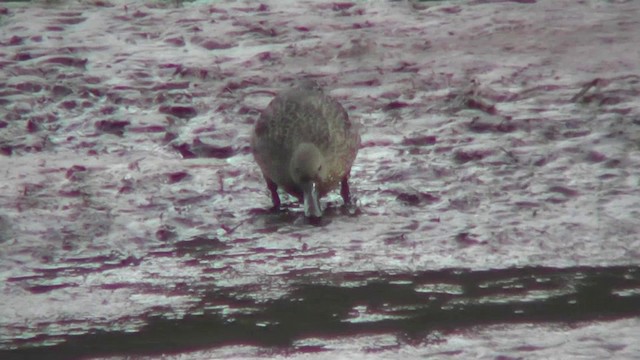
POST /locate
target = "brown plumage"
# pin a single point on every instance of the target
(305, 144)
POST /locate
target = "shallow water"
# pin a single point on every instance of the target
(496, 189)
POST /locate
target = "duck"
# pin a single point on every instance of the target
(305, 144)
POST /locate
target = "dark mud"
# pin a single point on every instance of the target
(496, 190)
(412, 307)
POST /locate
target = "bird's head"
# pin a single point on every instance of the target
(307, 169)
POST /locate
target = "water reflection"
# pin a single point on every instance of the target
(410, 305)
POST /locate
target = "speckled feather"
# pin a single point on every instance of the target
(304, 114)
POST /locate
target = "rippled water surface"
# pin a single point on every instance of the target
(496, 193)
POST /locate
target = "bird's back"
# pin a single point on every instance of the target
(304, 114)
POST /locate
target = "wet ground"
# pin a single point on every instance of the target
(496, 190)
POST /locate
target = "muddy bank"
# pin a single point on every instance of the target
(496, 136)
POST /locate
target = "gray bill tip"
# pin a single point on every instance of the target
(312, 200)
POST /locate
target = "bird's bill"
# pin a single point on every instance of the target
(311, 200)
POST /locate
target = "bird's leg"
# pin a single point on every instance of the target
(344, 190)
(274, 193)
